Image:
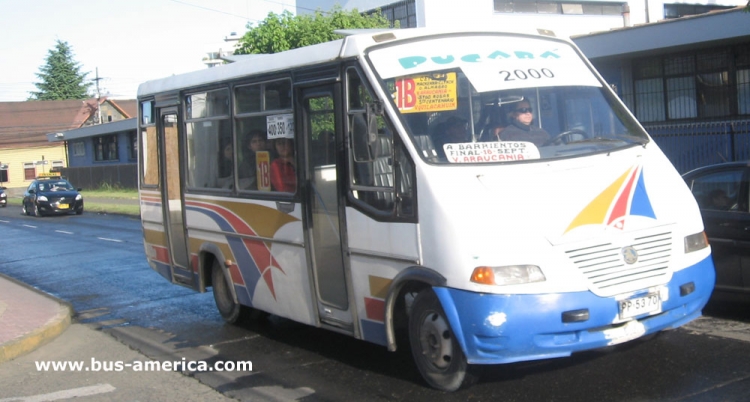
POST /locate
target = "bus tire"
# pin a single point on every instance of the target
(231, 312)
(436, 352)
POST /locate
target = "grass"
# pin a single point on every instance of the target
(112, 193)
(110, 206)
(94, 207)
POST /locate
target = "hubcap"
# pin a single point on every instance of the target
(435, 338)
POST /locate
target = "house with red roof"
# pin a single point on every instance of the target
(25, 149)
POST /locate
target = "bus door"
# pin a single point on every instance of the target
(324, 214)
(172, 196)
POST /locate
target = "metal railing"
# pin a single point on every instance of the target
(692, 145)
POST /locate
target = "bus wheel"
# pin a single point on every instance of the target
(230, 311)
(436, 352)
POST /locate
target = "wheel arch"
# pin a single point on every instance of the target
(207, 254)
(411, 279)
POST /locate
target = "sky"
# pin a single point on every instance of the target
(128, 41)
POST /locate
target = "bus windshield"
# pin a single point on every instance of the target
(501, 98)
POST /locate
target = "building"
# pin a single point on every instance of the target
(682, 69)
(25, 150)
(687, 80)
(102, 154)
(568, 17)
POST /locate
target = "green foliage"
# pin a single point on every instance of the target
(278, 33)
(61, 76)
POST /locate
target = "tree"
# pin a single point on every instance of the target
(279, 32)
(61, 76)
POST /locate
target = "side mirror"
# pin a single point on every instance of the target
(32, 191)
(374, 110)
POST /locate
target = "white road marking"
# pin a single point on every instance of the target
(63, 231)
(67, 394)
(28, 226)
(106, 239)
(4, 221)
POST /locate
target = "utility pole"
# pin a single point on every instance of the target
(98, 100)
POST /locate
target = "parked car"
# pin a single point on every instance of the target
(3, 197)
(52, 195)
(723, 195)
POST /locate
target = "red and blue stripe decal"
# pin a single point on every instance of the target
(254, 260)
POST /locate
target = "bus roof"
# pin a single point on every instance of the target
(354, 43)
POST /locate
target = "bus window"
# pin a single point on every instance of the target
(381, 173)
(210, 147)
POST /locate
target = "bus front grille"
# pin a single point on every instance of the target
(605, 268)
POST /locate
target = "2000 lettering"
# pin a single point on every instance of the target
(525, 75)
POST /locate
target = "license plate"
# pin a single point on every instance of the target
(63, 206)
(640, 305)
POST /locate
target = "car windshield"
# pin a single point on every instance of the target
(58, 185)
(502, 98)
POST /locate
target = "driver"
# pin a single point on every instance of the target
(521, 128)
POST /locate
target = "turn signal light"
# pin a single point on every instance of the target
(483, 275)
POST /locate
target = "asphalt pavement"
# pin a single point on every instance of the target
(41, 344)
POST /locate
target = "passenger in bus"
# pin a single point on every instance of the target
(452, 131)
(283, 172)
(521, 129)
(226, 167)
(247, 171)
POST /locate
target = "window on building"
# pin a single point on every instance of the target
(742, 61)
(680, 10)
(3, 175)
(132, 145)
(696, 85)
(405, 12)
(29, 171)
(558, 7)
(79, 148)
(105, 148)
(57, 166)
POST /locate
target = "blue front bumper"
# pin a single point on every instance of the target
(495, 329)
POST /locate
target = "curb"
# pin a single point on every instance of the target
(39, 336)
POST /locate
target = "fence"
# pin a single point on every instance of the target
(692, 145)
(91, 177)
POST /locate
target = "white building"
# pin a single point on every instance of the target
(564, 17)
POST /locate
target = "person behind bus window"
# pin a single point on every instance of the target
(247, 171)
(521, 129)
(454, 130)
(226, 167)
(283, 172)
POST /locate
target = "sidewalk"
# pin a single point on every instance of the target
(36, 329)
(29, 318)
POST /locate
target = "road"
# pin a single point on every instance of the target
(96, 262)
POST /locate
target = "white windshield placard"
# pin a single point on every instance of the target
(488, 152)
(489, 62)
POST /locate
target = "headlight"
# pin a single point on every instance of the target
(41, 198)
(3, 195)
(508, 275)
(696, 242)
(79, 197)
